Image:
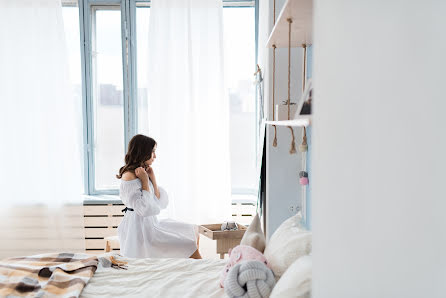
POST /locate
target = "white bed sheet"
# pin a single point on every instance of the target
(158, 278)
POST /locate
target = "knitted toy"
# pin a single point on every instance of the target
(238, 254)
(249, 279)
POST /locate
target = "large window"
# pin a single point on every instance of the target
(113, 41)
(239, 49)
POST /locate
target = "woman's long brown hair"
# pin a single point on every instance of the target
(139, 150)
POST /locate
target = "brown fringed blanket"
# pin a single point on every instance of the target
(50, 275)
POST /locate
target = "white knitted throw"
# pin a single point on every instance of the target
(249, 279)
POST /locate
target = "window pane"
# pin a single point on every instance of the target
(107, 96)
(71, 25)
(239, 29)
(142, 41)
(70, 13)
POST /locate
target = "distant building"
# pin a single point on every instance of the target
(109, 96)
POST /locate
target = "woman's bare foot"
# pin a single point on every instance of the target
(196, 255)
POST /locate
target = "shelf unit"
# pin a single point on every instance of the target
(302, 121)
(293, 28)
(301, 12)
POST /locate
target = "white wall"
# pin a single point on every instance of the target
(379, 139)
(282, 184)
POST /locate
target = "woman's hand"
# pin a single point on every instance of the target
(142, 175)
(150, 173)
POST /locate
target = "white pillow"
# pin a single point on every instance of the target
(288, 243)
(254, 235)
(296, 281)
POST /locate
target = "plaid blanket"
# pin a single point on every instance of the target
(50, 275)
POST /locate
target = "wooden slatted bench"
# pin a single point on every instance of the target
(102, 215)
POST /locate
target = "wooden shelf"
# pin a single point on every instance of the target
(302, 121)
(301, 12)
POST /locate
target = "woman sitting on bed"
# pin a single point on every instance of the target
(141, 234)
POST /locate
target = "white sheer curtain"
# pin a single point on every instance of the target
(40, 176)
(188, 108)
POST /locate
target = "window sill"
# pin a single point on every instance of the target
(101, 199)
(114, 199)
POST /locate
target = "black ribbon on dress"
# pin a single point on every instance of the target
(127, 209)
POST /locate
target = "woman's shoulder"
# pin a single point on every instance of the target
(129, 183)
(127, 176)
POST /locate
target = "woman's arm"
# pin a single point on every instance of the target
(155, 187)
(143, 202)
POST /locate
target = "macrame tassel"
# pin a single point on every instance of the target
(275, 137)
(304, 146)
(293, 145)
(293, 148)
(274, 93)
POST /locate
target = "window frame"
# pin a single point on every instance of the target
(129, 67)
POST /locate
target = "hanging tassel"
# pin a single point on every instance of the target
(274, 93)
(304, 146)
(275, 137)
(293, 145)
(293, 148)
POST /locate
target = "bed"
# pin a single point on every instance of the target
(112, 275)
(158, 278)
(287, 253)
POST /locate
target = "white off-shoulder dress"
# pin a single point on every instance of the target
(142, 235)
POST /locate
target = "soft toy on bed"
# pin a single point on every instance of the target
(241, 253)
